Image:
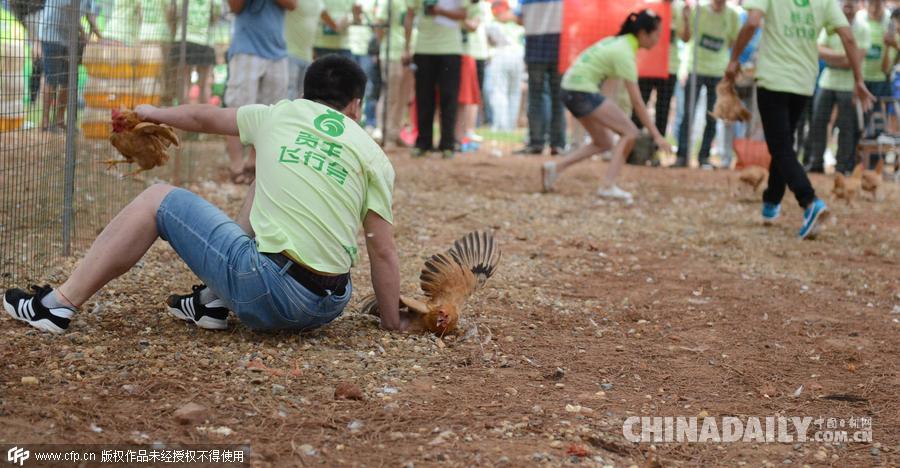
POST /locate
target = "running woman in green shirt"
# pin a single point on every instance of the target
(786, 77)
(609, 63)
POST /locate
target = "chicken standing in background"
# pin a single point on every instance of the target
(728, 105)
(447, 280)
(871, 180)
(144, 143)
(753, 176)
(847, 188)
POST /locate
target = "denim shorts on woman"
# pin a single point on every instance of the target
(579, 103)
(225, 258)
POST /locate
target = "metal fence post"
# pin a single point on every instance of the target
(71, 120)
(181, 95)
(387, 31)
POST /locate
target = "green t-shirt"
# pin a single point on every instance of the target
(328, 38)
(154, 27)
(361, 34)
(675, 39)
(199, 13)
(435, 35)
(715, 34)
(300, 27)
(476, 43)
(788, 56)
(875, 52)
(318, 174)
(122, 22)
(841, 79)
(398, 38)
(613, 57)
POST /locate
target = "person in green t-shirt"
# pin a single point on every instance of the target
(284, 263)
(836, 88)
(878, 20)
(665, 87)
(438, 60)
(717, 25)
(300, 26)
(396, 76)
(786, 77)
(610, 65)
(333, 34)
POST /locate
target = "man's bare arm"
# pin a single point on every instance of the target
(202, 118)
(754, 20)
(385, 267)
(243, 217)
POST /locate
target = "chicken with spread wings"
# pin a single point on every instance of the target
(447, 280)
(144, 143)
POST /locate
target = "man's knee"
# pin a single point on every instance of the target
(631, 132)
(155, 194)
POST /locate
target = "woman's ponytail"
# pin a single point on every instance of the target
(644, 20)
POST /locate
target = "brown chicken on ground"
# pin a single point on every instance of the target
(447, 280)
(140, 142)
(847, 188)
(872, 180)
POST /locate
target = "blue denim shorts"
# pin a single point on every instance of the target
(579, 103)
(226, 259)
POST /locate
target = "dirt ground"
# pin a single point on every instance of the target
(681, 304)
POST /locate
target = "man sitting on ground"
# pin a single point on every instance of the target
(285, 262)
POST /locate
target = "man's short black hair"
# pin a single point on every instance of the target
(335, 81)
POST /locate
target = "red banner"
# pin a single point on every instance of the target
(587, 21)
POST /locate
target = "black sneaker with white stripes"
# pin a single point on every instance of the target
(26, 307)
(213, 316)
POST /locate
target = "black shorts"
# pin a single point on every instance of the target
(580, 103)
(197, 55)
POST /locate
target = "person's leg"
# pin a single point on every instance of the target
(709, 132)
(392, 72)
(448, 86)
(49, 102)
(822, 104)
(780, 113)
(118, 247)
(497, 92)
(848, 126)
(684, 131)
(426, 80)
(646, 85)
(536, 74)
(244, 74)
(665, 90)
(557, 115)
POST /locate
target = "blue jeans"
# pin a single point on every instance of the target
(373, 86)
(542, 76)
(226, 259)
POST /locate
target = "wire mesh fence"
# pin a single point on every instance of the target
(66, 64)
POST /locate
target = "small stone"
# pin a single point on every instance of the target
(536, 409)
(391, 407)
(355, 425)
(703, 414)
(395, 435)
(821, 455)
(606, 386)
(540, 456)
(875, 451)
(787, 461)
(442, 437)
(556, 444)
(347, 391)
(440, 343)
(308, 450)
(277, 389)
(190, 413)
(129, 389)
(30, 381)
(558, 374)
(73, 357)
(503, 460)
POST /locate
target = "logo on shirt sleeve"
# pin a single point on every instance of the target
(331, 123)
(801, 3)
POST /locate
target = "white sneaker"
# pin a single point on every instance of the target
(549, 175)
(614, 192)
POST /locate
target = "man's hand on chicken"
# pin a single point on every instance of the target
(139, 141)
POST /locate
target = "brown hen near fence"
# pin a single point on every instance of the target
(144, 143)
